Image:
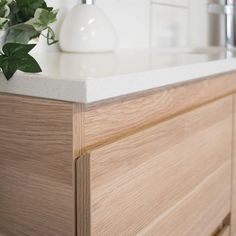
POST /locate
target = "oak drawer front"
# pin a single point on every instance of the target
(200, 212)
(112, 118)
(134, 182)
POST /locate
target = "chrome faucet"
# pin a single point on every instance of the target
(228, 9)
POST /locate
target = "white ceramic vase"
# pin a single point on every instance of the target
(87, 29)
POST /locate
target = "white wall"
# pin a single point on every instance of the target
(169, 24)
(179, 23)
(131, 19)
(145, 23)
(198, 23)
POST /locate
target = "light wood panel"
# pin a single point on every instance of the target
(233, 213)
(225, 232)
(136, 180)
(83, 196)
(109, 120)
(36, 174)
(200, 212)
(78, 130)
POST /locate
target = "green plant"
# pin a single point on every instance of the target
(22, 21)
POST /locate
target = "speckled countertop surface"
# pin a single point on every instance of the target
(87, 78)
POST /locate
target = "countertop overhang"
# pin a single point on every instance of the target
(87, 78)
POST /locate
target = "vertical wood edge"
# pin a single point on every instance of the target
(83, 206)
(78, 129)
(232, 217)
(74, 171)
(81, 174)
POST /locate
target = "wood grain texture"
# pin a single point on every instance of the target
(136, 180)
(110, 120)
(78, 130)
(200, 212)
(233, 213)
(225, 231)
(36, 174)
(80, 189)
(83, 196)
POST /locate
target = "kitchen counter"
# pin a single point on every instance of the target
(90, 78)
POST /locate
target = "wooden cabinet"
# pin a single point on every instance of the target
(36, 178)
(158, 163)
(169, 179)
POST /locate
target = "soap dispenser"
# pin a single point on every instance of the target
(87, 29)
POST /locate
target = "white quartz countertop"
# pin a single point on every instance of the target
(90, 78)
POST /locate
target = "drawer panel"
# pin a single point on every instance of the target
(136, 181)
(200, 212)
(115, 117)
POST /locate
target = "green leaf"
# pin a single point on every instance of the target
(3, 3)
(42, 19)
(30, 4)
(28, 64)
(3, 22)
(22, 21)
(13, 49)
(4, 8)
(21, 33)
(25, 9)
(27, 20)
(15, 57)
(8, 66)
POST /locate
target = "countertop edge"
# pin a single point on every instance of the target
(98, 89)
(139, 82)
